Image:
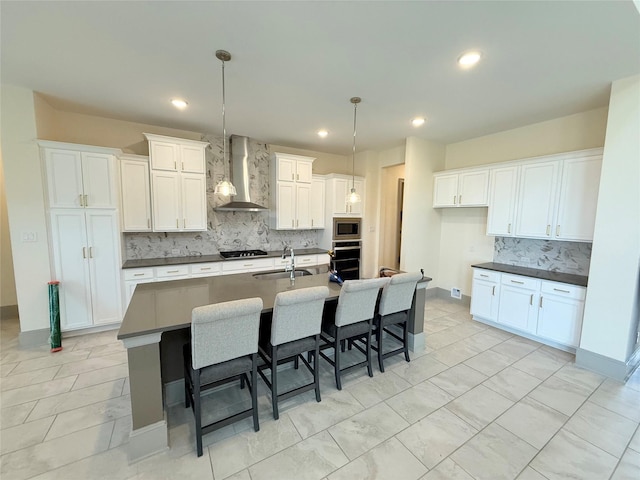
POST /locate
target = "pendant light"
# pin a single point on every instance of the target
(224, 186)
(353, 196)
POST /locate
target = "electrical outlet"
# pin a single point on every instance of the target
(175, 251)
(455, 293)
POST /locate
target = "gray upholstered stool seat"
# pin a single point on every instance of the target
(394, 308)
(295, 329)
(223, 348)
(352, 321)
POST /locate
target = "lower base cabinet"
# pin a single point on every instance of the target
(549, 311)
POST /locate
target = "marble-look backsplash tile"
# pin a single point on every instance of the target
(550, 255)
(226, 230)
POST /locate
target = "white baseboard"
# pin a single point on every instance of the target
(147, 441)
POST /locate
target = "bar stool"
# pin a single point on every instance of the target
(353, 321)
(395, 305)
(295, 329)
(224, 347)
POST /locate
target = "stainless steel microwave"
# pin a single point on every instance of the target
(346, 228)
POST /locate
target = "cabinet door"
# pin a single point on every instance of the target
(445, 190)
(537, 199)
(473, 189)
(99, 180)
(355, 209)
(136, 200)
(560, 319)
(518, 308)
(194, 202)
(502, 201)
(286, 170)
(286, 198)
(303, 206)
(340, 191)
(192, 159)
(484, 299)
(303, 172)
(163, 155)
(64, 178)
(578, 199)
(317, 203)
(71, 263)
(165, 201)
(104, 266)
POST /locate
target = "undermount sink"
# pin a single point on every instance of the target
(280, 274)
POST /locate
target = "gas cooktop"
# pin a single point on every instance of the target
(242, 253)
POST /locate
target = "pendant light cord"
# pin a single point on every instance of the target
(224, 127)
(353, 158)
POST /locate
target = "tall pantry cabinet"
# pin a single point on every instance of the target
(82, 201)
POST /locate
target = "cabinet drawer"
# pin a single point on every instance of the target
(520, 281)
(248, 265)
(487, 275)
(563, 290)
(173, 271)
(138, 274)
(205, 269)
(301, 261)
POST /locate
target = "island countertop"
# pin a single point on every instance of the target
(167, 261)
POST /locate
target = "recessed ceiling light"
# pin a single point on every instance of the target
(417, 122)
(322, 133)
(178, 103)
(469, 59)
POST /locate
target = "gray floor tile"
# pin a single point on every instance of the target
(494, 454)
(12, 416)
(420, 369)
(458, 380)
(562, 396)
(512, 383)
(456, 353)
(635, 441)
(515, 348)
(24, 435)
(447, 470)
(530, 474)
(616, 397)
(488, 362)
(629, 466)
(573, 374)
(540, 364)
(419, 401)
(379, 388)
(479, 406)
(28, 378)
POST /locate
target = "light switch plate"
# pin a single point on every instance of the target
(29, 237)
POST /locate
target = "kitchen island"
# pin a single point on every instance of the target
(157, 324)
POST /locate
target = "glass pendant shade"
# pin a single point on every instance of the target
(224, 186)
(353, 197)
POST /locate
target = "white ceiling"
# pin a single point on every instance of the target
(296, 64)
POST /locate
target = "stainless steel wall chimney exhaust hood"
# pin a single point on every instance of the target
(239, 174)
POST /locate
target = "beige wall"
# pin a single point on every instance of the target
(7, 279)
(611, 307)
(565, 134)
(464, 241)
(421, 223)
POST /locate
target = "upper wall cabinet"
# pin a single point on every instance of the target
(552, 197)
(317, 201)
(338, 189)
(178, 184)
(461, 189)
(135, 191)
(291, 198)
(80, 176)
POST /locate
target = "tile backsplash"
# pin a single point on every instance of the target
(226, 230)
(550, 255)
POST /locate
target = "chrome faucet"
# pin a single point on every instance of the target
(290, 268)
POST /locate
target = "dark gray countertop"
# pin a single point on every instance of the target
(162, 262)
(569, 278)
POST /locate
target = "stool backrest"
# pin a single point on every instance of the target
(397, 295)
(297, 314)
(224, 331)
(357, 301)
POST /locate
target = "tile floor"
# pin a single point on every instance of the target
(478, 404)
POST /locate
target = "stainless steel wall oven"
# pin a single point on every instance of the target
(346, 259)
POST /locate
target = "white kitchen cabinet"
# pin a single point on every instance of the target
(178, 184)
(576, 212)
(80, 176)
(518, 306)
(461, 189)
(86, 253)
(537, 199)
(136, 193)
(338, 188)
(317, 201)
(503, 188)
(247, 265)
(560, 312)
(291, 192)
(485, 294)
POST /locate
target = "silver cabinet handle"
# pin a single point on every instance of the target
(557, 230)
(248, 265)
(541, 301)
(519, 283)
(297, 176)
(531, 300)
(292, 223)
(548, 229)
(560, 290)
(312, 222)
(182, 165)
(184, 223)
(509, 229)
(454, 199)
(177, 223)
(81, 200)
(86, 200)
(84, 252)
(148, 223)
(175, 165)
(297, 223)
(293, 177)
(173, 271)
(90, 252)
(138, 274)
(483, 275)
(459, 199)
(493, 292)
(205, 268)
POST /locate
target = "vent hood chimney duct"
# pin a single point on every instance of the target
(239, 176)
